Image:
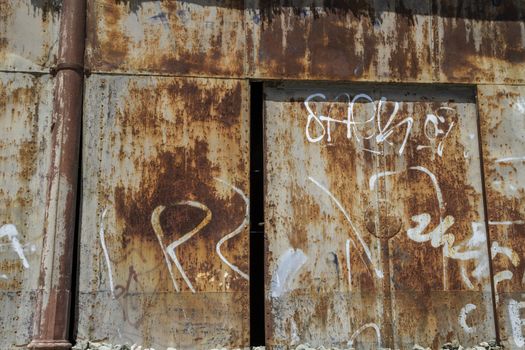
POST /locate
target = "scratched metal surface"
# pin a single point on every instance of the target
(165, 186)
(25, 120)
(378, 228)
(502, 114)
(204, 38)
(28, 34)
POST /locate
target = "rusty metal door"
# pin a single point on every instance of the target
(164, 238)
(374, 217)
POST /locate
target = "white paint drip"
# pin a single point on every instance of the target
(517, 323)
(288, 265)
(10, 231)
(106, 254)
(236, 231)
(465, 310)
(361, 329)
(378, 272)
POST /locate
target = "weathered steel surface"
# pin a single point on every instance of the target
(374, 217)
(180, 37)
(409, 41)
(25, 122)
(343, 40)
(164, 238)
(480, 41)
(28, 34)
(380, 40)
(502, 114)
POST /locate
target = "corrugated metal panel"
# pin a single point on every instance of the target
(502, 114)
(28, 34)
(344, 40)
(179, 37)
(480, 41)
(25, 122)
(164, 240)
(374, 217)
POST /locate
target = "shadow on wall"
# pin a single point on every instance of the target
(490, 10)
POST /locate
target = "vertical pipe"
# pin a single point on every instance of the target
(51, 324)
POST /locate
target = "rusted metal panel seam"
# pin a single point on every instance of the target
(32, 72)
(167, 75)
(486, 216)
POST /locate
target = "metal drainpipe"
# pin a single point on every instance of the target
(51, 323)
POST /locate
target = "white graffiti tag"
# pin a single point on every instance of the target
(169, 251)
(374, 127)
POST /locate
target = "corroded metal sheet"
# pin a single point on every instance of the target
(502, 115)
(28, 34)
(25, 122)
(164, 238)
(374, 217)
(179, 37)
(345, 40)
(479, 41)
(408, 41)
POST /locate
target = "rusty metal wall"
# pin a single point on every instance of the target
(329, 40)
(440, 287)
(381, 40)
(164, 237)
(203, 38)
(406, 41)
(28, 34)
(25, 121)
(165, 170)
(374, 217)
(502, 113)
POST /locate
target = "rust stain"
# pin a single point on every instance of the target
(479, 41)
(340, 41)
(177, 37)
